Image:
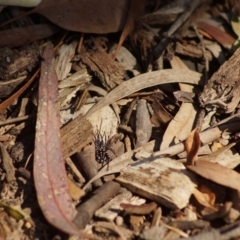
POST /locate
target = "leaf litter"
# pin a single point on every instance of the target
(155, 182)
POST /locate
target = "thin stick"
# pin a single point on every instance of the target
(17, 119)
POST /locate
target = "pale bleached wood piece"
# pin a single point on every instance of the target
(163, 180)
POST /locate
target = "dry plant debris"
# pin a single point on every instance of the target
(120, 120)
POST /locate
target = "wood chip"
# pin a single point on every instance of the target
(159, 182)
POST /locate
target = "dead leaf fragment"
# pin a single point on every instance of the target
(146, 80)
(192, 146)
(202, 199)
(217, 173)
(220, 36)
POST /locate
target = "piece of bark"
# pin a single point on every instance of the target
(101, 196)
(13, 62)
(109, 72)
(192, 51)
(63, 64)
(111, 209)
(75, 135)
(223, 88)
(188, 225)
(143, 123)
(86, 161)
(7, 87)
(157, 181)
(7, 164)
(160, 115)
(24, 35)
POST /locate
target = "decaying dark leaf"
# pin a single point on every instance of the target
(15, 37)
(92, 16)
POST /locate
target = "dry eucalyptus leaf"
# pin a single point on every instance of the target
(224, 156)
(201, 198)
(49, 170)
(182, 123)
(92, 16)
(146, 80)
(217, 173)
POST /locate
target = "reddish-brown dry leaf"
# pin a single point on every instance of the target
(49, 171)
(88, 16)
(217, 173)
(223, 38)
(201, 198)
(192, 146)
(208, 194)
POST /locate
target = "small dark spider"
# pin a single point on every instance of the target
(102, 145)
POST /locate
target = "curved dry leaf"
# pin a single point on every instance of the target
(217, 173)
(208, 194)
(182, 123)
(220, 36)
(92, 16)
(192, 145)
(179, 126)
(201, 198)
(49, 169)
(146, 80)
